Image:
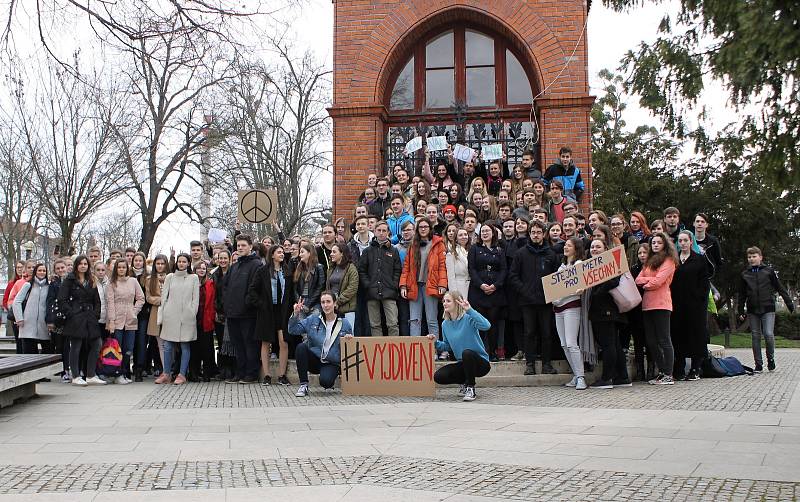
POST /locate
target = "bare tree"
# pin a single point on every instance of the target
(67, 131)
(169, 79)
(274, 132)
(115, 230)
(19, 211)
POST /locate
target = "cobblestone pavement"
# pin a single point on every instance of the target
(768, 392)
(461, 478)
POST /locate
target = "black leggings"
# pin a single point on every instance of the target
(659, 343)
(464, 371)
(93, 352)
(489, 337)
(614, 361)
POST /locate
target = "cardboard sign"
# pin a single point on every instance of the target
(437, 143)
(388, 366)
(413, 144)
(585, 274)
(463, 153)
(258, 206)
(492, 152)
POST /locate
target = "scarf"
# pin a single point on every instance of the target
(586, 340)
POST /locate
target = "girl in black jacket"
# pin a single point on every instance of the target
(605, 317)
(487, 267)
(309, 280)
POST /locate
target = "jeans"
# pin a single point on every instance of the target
(169, 352)
(389, 310)
(93, 352)
(248, 347)
(427, 304)
(659, 343)
(351, 318)
(308, 361)
(763, 324)
(464, 371)
(140, 354)
(537, 320)
(126, 339)
(614, 361)
(568, 324)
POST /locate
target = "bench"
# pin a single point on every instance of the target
(19, 374)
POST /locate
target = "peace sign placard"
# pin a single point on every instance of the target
(258, 206)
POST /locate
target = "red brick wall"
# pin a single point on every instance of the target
(373, 37)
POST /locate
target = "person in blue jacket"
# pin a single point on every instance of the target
(398, 218)
(319, 353)
(461, 337)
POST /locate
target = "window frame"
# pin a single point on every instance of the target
(501, 44)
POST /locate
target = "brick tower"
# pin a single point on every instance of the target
(480, 72)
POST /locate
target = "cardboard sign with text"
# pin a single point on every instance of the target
(388, 366)
(585, 274)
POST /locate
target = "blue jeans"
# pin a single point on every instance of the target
(428, 304)
(763, 324)
(169, 351)
(126, 339)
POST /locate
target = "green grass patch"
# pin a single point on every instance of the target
(742, 341)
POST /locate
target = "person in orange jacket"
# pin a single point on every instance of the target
(424, 278)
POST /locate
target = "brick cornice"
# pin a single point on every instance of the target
(370, 110)
(567, 102)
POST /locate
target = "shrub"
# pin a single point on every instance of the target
(787, 325)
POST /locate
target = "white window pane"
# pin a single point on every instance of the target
(480, 86)
(517, 84)
(480, 49)
(439, 88)
(403, 92)
(439, 51)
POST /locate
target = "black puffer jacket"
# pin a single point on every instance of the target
(530, 264)
(758, 286)
(379, 271)
(603, 307)
(236, 284)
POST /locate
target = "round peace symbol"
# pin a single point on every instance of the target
(256, 206)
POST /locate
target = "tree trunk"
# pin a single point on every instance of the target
(149, 230)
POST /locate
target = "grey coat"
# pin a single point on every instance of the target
(177, 313)
(35, 326)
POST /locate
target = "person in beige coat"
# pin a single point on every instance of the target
(124, 300)
(177, 316)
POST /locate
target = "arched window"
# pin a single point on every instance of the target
(460, 68)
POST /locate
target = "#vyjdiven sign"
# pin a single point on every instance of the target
(585, 274)
(388, 366)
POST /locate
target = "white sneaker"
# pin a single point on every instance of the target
(469, 394)
(121, 380)
(571, 383)
(580, 383)
(462, 389)
(444, 356)
(95, 380)
(66, 378)
(80, 382)
(302, 391)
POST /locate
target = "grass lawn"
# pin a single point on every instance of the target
(742, 341)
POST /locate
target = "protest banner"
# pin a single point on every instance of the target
(257, 206)
(463, 153)
(585, 274)
(437, 143)
(413, 144)
(388, 366)
(492, 152)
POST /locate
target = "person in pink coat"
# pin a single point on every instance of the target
(124, 300)
(654, 280)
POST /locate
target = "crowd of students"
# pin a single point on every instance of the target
(456, 253)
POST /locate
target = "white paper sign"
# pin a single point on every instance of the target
(436, 143)
(463, 153)
(414, 144)
(216, 235)
(493, 152)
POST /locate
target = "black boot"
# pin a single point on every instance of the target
(547, 369)
(137, 375)
(530, 368)
(640, 375)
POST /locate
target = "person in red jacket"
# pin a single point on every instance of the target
(424, 278)
(201, 362)
(19, 268)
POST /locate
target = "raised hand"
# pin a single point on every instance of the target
(298, 306)
(464, 304)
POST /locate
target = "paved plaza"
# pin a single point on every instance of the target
(724, 439)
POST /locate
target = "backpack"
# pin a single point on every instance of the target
(717, 367)
(110, 361)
